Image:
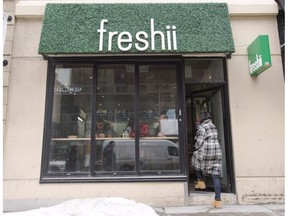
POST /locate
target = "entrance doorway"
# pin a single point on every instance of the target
(208, 95)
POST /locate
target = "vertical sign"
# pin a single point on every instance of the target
(259, 55)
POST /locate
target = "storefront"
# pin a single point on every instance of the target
(120, 97)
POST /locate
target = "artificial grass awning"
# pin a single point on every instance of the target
(176, 28)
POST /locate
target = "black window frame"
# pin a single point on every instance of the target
(181, 175)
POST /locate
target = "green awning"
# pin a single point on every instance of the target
(136, 29)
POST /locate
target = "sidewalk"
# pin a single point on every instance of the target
(226, 210)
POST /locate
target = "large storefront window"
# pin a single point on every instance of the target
(112, 120)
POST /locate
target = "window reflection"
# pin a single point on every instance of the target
(115, 97)
(71, 117)
(115, 112)
(204, 70)
(158, 105)
(118, 146)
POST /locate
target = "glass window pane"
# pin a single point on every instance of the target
(115, 152)
(158, 121)
(71, 119)
(204, 70)
(115, 98)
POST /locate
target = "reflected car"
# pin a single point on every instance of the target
(119, 155)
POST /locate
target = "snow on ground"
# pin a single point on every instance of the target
(114, 206)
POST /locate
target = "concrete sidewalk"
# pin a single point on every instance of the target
(226, 210)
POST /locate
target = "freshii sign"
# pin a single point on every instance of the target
(259, 58)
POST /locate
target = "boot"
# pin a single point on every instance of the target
(216, 204)
(200, 184)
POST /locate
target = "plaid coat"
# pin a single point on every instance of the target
(207, 156)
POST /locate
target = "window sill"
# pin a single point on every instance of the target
(74, 179)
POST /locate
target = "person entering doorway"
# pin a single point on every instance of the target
(207, 156)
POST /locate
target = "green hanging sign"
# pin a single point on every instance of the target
(259, 57)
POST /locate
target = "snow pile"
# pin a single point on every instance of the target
(88, 207)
